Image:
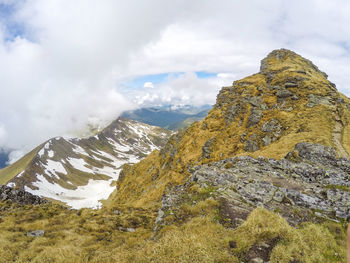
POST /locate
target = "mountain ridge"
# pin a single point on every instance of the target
(65, 169)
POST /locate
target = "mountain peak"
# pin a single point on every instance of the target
(266, 114)
(286, 60)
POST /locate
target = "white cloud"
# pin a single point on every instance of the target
(184, 89)
(14, 156)
(67, 66)
(148, 85)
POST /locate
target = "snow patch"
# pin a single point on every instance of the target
(11, 184)
(20, 174)
(87, 196)
(52, 168)
(79, 164)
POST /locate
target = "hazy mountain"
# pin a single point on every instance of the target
(169, 116)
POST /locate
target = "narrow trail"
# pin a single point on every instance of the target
(337, 136)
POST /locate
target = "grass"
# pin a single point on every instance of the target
(7, 173)
(95, 236)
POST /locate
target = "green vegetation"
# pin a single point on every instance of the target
(11, 171)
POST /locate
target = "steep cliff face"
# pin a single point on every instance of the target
(266, 114)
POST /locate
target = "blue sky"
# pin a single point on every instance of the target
(13, 28)
(138, 82)
(66, 63)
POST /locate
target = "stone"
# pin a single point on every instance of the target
(278, 197)
(36, 233)
(257, 260)
(267, 140)
(251, 145)
(290, 85)
(283, 93)
(270, 126)
(315, 100)
(254, 117)
(19, 196)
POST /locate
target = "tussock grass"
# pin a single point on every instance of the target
(192, 234)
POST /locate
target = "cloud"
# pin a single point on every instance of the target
(62, 69)
(148, 85)
(64, 63)
(184, 89)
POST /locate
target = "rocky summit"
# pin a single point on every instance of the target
(265, 177)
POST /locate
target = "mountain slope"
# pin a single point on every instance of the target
(289, 101)
(168, 117)
(79, 172)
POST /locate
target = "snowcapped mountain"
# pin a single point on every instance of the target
(79, 172)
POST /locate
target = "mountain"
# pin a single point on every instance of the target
(3, 159)
(264, 177)
(79, 172)
(289, 101)
(169, 116)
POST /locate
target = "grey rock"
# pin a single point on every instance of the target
(315, 100)
(257, 260)
(36, 233)
(254, 117)
(267, 140)
(283, 93)
(271, 125)
(251, 145)
(254, 101)
(290, 85)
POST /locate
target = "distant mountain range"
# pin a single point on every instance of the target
(168, 116)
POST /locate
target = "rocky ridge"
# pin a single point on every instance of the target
(79, 171)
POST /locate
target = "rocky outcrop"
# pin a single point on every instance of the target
(309, 182)
(19, 196)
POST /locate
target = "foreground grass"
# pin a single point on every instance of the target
(191, 234)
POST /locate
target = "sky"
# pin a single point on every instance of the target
(64, 63)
